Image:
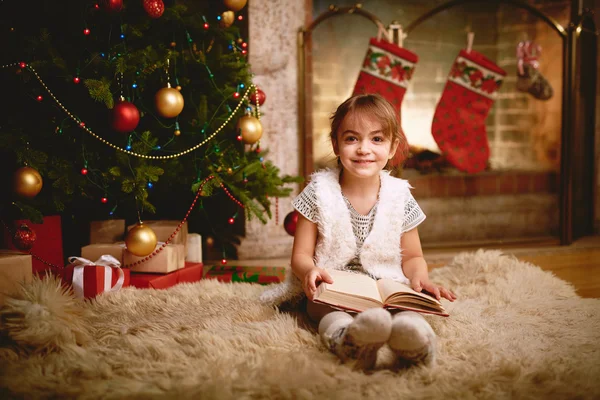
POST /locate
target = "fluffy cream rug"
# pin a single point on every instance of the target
(516, 332)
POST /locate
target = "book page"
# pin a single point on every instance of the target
(389, 288)
(354, 284)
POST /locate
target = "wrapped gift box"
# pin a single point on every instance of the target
(164, 230)
(192, 272)
(96, 278)
(194, 248)
(15, 269)
(48, 244)
(169, 259)
(97, 250)
(262, 275)
(110, 231)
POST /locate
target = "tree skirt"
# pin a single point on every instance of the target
(516, 332)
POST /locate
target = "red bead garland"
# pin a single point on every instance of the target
(236, 201)
(187, 214)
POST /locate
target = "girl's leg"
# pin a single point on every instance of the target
(412, 338)
(357, 338)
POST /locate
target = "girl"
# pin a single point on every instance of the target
(358, 217)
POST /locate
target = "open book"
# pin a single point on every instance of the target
(359, 292)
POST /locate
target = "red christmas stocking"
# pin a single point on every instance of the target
(386, 70)
(459, 121)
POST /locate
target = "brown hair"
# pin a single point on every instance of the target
(376, 105)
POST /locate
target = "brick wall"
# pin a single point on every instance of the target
(524, 133)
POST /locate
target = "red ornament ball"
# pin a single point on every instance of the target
(125, 117)
(76, 80)
(290, 222)
(104, 200)
(231, 221)
(111, 6)
(261, 97)
(154, 8)
(24, 238)
(84, 171)
(224, 261)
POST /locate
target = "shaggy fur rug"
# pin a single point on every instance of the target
(516, 332)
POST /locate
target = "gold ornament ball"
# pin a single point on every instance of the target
(141, 240)
(178, 88)
(229, 171)
(177, 132)
(169, 102)
(27, 182)
(235, 5)
(227, 19)
(250, 128)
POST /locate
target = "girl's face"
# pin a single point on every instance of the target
(362, 146)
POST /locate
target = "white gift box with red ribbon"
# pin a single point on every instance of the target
(90, 278)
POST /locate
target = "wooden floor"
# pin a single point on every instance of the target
(578, 263)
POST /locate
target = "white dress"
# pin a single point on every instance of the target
(305, 204)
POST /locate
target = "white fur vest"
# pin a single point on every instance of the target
(336, 245)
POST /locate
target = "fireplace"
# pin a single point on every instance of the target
(517, 197)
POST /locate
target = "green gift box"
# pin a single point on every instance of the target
(254, 274)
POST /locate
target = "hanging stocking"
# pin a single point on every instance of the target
(459, 121)
(529, 78)
(386, 70)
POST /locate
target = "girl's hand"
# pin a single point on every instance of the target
(437, 291)
(311, 280)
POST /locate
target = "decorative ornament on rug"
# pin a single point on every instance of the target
(154, 8)
(387, 70)
(235, 5)
(111, 6)
(290, 222)
(24, 237)
(125, 117)
(169, 102)
(529, 78)
(258, 96)
(459, 121)
(227, 19)
(27, 182)
(250, 129)
(141, 240)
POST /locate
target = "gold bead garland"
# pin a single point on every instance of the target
(132, 153)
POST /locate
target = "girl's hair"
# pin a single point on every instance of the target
(375, 105)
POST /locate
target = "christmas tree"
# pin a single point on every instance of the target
(133, 109)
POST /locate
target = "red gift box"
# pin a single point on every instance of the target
(48, 243)
(192, 272)
(262, 275)
(89, 279)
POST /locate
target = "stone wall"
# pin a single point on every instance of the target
(273, 28)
